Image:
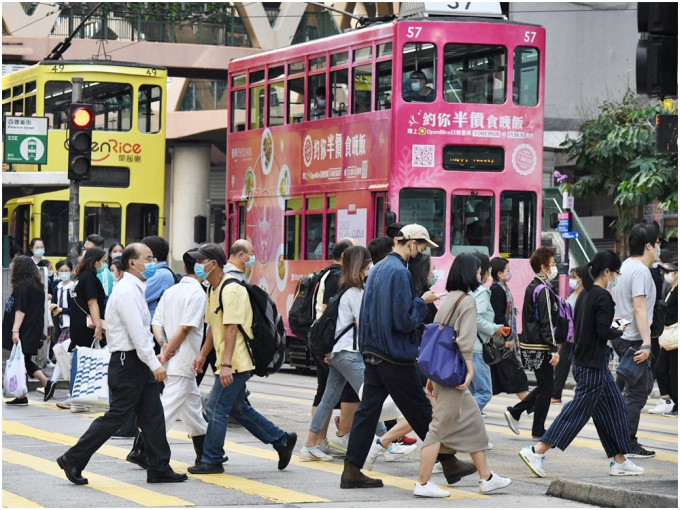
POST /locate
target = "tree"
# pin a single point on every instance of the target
(616, 155)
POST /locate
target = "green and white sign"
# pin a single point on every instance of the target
(26, 140)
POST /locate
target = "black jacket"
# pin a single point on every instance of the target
(538, 334)
(593, 318)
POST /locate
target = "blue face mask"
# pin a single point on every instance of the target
(199, 271)
(39, 252)
(251, 261)
(573, 284)
(116, 255)
(432, 281)
(100, 270)
(322, 103)
(64, 277)
(149, 270)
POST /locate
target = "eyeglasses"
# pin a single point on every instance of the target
(148, 259)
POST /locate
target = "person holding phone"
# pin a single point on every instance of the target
(596, 394)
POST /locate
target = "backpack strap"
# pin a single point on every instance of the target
(226, 282)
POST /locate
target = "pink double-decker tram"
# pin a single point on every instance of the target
(430, 121)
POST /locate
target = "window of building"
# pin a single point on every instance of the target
(475, 73)
(141, 220)
(383, 94)
(54, 226)
(362, 86)
(317, 97)
(276, 104)
(339, 93)
(296, 100)
(421, 59)
(201, 95)
(104, 220)
(472, 228)
(517, 224)
(149, 109)
(525, 77)
(427, 207)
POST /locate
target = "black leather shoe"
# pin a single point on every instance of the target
(72, 472)
(169, 477)
(138, 458)
(287, 451)
(204, 468)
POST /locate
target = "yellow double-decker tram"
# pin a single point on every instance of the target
(123, 198)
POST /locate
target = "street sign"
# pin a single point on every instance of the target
(569, 235)
(26, 140)
(563, 226)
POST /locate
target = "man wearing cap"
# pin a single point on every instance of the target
(390, 314)
(420, 92)
(234, 365)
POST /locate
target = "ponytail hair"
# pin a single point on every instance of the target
(605, 259)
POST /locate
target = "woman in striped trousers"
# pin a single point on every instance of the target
(596, 393)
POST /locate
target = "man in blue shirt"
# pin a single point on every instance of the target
(164, 277)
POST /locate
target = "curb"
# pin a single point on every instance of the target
(603, 496)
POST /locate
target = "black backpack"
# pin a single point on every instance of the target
(303, 310)
(322, 338)
(176, 277)
(267, 348)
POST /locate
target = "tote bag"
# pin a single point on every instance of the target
(90, 376)
(14, 378)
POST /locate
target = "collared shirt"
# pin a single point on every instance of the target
(182, 305)
(128, 321)
(235, 272)
(157, 284)
(107, 280)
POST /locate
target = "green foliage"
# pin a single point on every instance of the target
(616, 151)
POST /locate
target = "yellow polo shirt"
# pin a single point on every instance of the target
(236, 309)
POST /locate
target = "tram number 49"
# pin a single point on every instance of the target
(151, 72)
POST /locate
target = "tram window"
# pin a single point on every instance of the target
(238, 81)
(363, 54)
(149, 109)
(276, 73)
(257, 107)
(316, 97)
(339, 93)
(18, 90)
(29, 106)
(293, 229)
(330, 235)
(141, 220)
(419, 60)
(276, 101)
(257, 77)
(296, 100)
(54, 226)
(7, 108)
(31, 87)
(57, 102)
(517, 224)
(525, 82)
(472, 228)
(383, 96)
(317, 64)
(107, 176)
(105, 221)
(313, 235)
(384, 50)
(339, 59)
(112, 103)
(475, 73)
(18, 107)
(296, 67)
(363, 84)
(6, 94)
(238, 110)
(426, 207)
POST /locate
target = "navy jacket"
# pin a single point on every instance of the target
(390, 312)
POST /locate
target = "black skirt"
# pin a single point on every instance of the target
(508, 375)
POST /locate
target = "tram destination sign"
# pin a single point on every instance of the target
(25, 140)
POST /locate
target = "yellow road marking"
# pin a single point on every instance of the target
(11, 500)
(250, 487)
(138, 495)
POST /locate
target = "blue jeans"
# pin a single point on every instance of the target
(480, 387)
(231, 401)
(344, 366)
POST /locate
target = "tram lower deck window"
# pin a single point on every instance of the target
(426, 207)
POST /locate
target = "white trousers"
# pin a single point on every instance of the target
(181, 399)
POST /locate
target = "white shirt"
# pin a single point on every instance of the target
(182, 305)
(635, 280)
(64, 289)
(348, 312)
(128, 321)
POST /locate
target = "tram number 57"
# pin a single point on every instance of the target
(413, 32)
(529, 36)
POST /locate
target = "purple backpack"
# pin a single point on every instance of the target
(563, 330)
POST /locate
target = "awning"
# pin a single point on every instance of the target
(21, 184)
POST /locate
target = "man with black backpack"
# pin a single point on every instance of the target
(230, 316)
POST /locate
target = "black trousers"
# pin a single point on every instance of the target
(562, 369)
(539, 398)
(133, 389)
(402, 383)
(666, 368)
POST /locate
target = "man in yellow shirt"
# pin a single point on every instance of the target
(234, 365)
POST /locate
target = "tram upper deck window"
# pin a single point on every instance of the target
(525, 77)
(316, 97)
(276, 102)
(238, 110)
(363, 84)
(426, 207)
(149, 99)
(339, 93)
(383, 94)
(418, 77)
(517, 224)
(475, 73)
(472, 228)
(296, 100)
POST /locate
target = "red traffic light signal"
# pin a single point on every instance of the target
(81, 122)
(81, 117)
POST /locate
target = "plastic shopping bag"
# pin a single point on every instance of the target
(14, 379)
(90, 376)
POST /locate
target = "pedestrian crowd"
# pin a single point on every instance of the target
(366, 316)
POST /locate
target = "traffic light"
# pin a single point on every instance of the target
(80, 125)
(656, 61)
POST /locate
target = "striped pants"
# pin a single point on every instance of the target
(596, 395)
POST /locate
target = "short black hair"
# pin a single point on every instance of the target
(380, 247)
(340, 247)
(498, 265)
(129, 253)
(44, 263)
(33, 241)
(463, 273)
(159, 247)
(63, 263)
(189, 262)
(483, 261)
(639, 236)
(96, 239)
(117, 264)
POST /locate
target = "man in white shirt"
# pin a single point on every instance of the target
(134, 374)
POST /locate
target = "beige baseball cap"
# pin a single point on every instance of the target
(417, 232)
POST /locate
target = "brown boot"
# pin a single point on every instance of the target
(353, 478)
(455, 469)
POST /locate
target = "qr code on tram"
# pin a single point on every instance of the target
(423, 156)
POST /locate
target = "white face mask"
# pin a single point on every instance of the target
(553, 272)
(669, 278)
(573, 284)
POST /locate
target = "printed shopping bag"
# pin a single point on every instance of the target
(14, 379)
(63, 358)
(90, 376)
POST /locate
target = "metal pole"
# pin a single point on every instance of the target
(74, 199)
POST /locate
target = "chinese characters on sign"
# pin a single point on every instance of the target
(476, 124)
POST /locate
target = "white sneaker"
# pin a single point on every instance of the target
(328, 449)
(79, 408)
(626, 468)
(398, 451)
(49, 364)
(376, 451)
(429, 490)
(437, 468)
(512, 423)
(496, 482)
(314, 454)
(663, 406)
(534, 461)
(40, 389)
(489, 446)
(339, 442)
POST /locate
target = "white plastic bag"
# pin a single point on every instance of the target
(63, 358)
(90, 376)
(14, 379)
(390, 411)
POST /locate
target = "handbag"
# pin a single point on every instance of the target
(490, 352)
(63, 357)
(668, 340)
(439, 358)
(90, 376)
(14, 378)
(628, 369)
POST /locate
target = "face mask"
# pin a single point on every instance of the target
(251, 261)
(508, 277)
(64, 277)
(657, 254)
(611, 284)
(100, 270)
(573, 284)
(432, 281)
(415, 87)
(116, 255)
(669, 278)
(322, 103)
(149, 270)
(199, 271)
(39, 252)
(553, 272)
(50, 274)
(655, 265)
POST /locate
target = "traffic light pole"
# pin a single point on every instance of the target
(74, 199)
